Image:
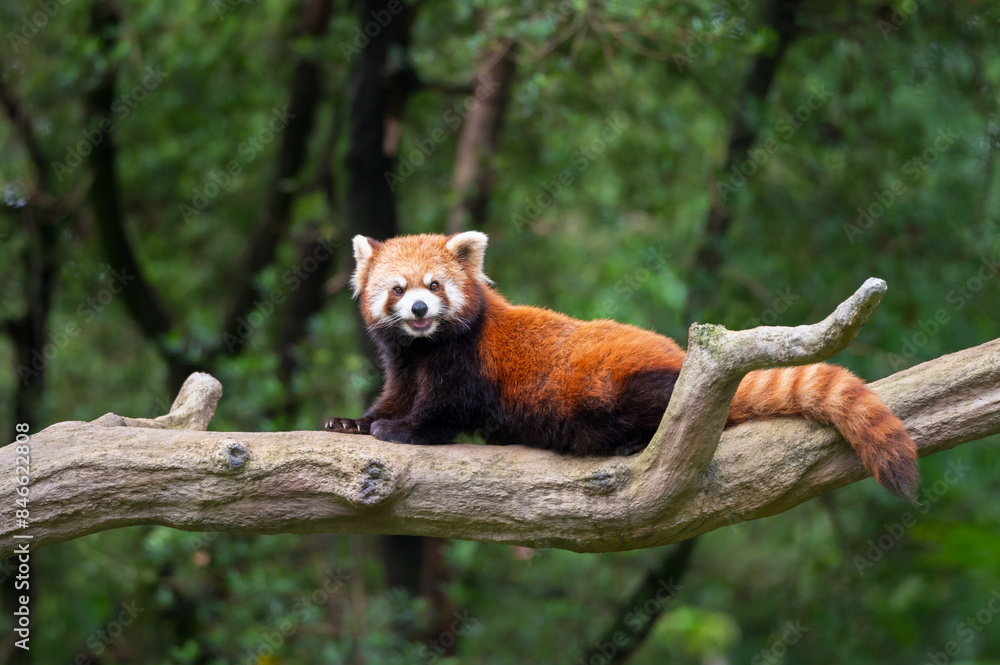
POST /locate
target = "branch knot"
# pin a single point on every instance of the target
(376, 483)
(232, 455)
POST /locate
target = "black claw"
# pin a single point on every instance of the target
(346, 426)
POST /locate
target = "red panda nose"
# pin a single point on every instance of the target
(419, 308)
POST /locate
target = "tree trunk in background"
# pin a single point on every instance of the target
(400, 553)
(380, 84)
(293, 152)
(141, 299)
(781, 17)
(382, 81)
(304, 301)
(473, 177)
(29, 332)
(379, 88)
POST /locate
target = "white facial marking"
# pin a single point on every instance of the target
(376, 305)
(404, 307)
(456, 299)
(428, 278)
(423, 326)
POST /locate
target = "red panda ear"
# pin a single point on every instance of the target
(470, 248)
(363, 249)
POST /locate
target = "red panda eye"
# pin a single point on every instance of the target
(434, 286)
(398, 290)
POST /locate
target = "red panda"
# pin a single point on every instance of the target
(457, 357)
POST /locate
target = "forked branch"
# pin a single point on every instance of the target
(717, 360)
(115, 471)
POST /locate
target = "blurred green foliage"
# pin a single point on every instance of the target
(618, 242)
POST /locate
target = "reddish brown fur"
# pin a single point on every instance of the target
(587, 360)
(528, 375)
(833, 395)
(584, 361)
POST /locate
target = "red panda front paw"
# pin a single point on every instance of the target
(395, 431)
(349, 425)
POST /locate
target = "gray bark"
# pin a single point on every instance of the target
(692, 478)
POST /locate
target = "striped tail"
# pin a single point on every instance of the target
(831, 394)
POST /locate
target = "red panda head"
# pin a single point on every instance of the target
(419, 285)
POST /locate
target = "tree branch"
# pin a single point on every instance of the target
(717, 360)
(192, 409)
(90, 477)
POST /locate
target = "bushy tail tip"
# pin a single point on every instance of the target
(894, 466)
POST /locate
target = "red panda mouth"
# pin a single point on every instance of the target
(420, 325)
